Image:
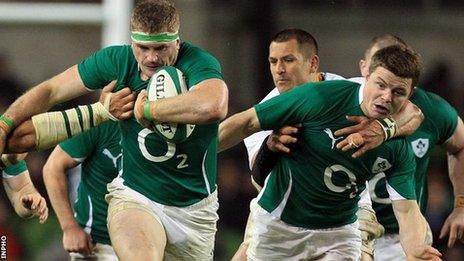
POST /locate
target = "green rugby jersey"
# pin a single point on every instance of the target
(100, 153)
(171, 174)
(14, 170)
(317, 185)
(438, 126)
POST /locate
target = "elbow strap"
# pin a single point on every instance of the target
(53, 127)
(264, 163)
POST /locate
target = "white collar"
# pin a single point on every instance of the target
(360, 94)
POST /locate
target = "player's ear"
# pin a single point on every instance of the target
(362, 67)
(366, 77)
(314, 64)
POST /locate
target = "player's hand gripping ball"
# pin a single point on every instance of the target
(168, 82)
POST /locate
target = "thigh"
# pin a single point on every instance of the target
(136, 234)
(340, 243)
(240, 255)
(389, 248)
(191, 230)
(272, 239)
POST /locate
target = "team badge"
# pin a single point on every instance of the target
(420, 147)
(380, 165)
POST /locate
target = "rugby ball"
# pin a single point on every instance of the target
(168, 82)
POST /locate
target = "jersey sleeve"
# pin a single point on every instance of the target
(288, 108)
(14, 170)
(400, 178)
(100, 68)
(445, 118)
(82, 145)
(198, 65)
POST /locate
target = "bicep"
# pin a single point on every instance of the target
(455, 143)
(59, 160)
(213, 91)
(404, 206)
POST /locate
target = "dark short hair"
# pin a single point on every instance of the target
(401, 61)
(306, 42)
(155, 16)
(385, 40)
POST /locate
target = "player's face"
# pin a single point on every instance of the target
(289, 67)
(384, 93)
(150, 56)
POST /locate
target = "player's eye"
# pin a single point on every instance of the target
(399, 93)
(381, 85)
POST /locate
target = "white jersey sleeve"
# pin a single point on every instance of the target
(359, 80)
(253, 142)
(333, 76)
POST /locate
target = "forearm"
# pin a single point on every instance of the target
(46, 130)
(60, 88)
(412, 224)
(263, 163)
(236, 128)
(407, 120)
(198, 106)
(56, 183)
(35, 101)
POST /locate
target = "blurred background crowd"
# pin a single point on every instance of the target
(35, 46)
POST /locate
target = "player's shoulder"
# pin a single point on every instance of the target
(117, 50)
(333, 86)
(432, 105)
(190, 50)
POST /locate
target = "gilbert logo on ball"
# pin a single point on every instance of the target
(168, 82)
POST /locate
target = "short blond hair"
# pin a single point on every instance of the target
(155, 16)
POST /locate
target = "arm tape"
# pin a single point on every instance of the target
(53, 127)
(264, 163)
(388, 126)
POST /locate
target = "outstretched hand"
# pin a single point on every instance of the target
(119, 104)
(370, 131)
(454, 226)
(37, 206)
(424, 252)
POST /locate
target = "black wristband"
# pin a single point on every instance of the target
(264, 163)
